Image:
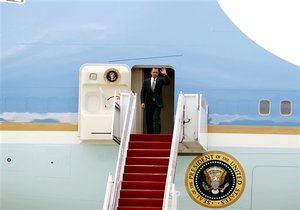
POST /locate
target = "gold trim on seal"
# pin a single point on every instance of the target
(215, 179)
(111, 75)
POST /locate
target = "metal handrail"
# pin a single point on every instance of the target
(177, 136)
(116, 127)
(109, 187)
(130, 113)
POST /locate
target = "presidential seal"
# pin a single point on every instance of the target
(215, 179)
(111, 75)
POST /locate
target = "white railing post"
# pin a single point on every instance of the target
(174, 197)
(128, 121)
(109, 186)
(202, 120)
(177, 135)
(116, 116)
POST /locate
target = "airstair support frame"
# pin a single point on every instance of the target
(186, 124)
(116, 116)
(194, 138)
(170, 196)
(120, 105)
(109, 187)
(190, 128)
(128, 126)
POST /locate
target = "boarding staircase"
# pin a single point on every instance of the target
(144, 178)
(145, 172)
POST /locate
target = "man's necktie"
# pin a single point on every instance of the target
(153, 84)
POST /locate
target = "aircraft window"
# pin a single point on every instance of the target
(93, 76)
(264, 107)
(286, 107)
(13, 1)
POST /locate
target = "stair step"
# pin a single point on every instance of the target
(148, 153)
(145, 169)
(127, 193)
(151, 137)
(139, 208)
(147, 161)
(149, 145)
(143, 185)
(141, 202)
(144, 177)
(145, 172)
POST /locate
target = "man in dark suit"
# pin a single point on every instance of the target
(152, 99)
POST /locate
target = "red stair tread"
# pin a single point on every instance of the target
(151, 137)
(147, 160)
(145, 169)
(144, 177)
(149, 145)
(133, 193)
(139, 208)
(143, 185)
(141, 202)
(145, 172)
(148, 153)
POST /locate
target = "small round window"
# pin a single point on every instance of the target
(285, 107)
(264, 107)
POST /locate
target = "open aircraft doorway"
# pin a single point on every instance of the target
(138, 74)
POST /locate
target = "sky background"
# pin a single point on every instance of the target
(44, 43)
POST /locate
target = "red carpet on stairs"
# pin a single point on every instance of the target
(145, 172)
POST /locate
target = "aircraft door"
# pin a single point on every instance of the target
(138, 74)
(97, 85)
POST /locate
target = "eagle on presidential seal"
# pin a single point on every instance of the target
(215, 177)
